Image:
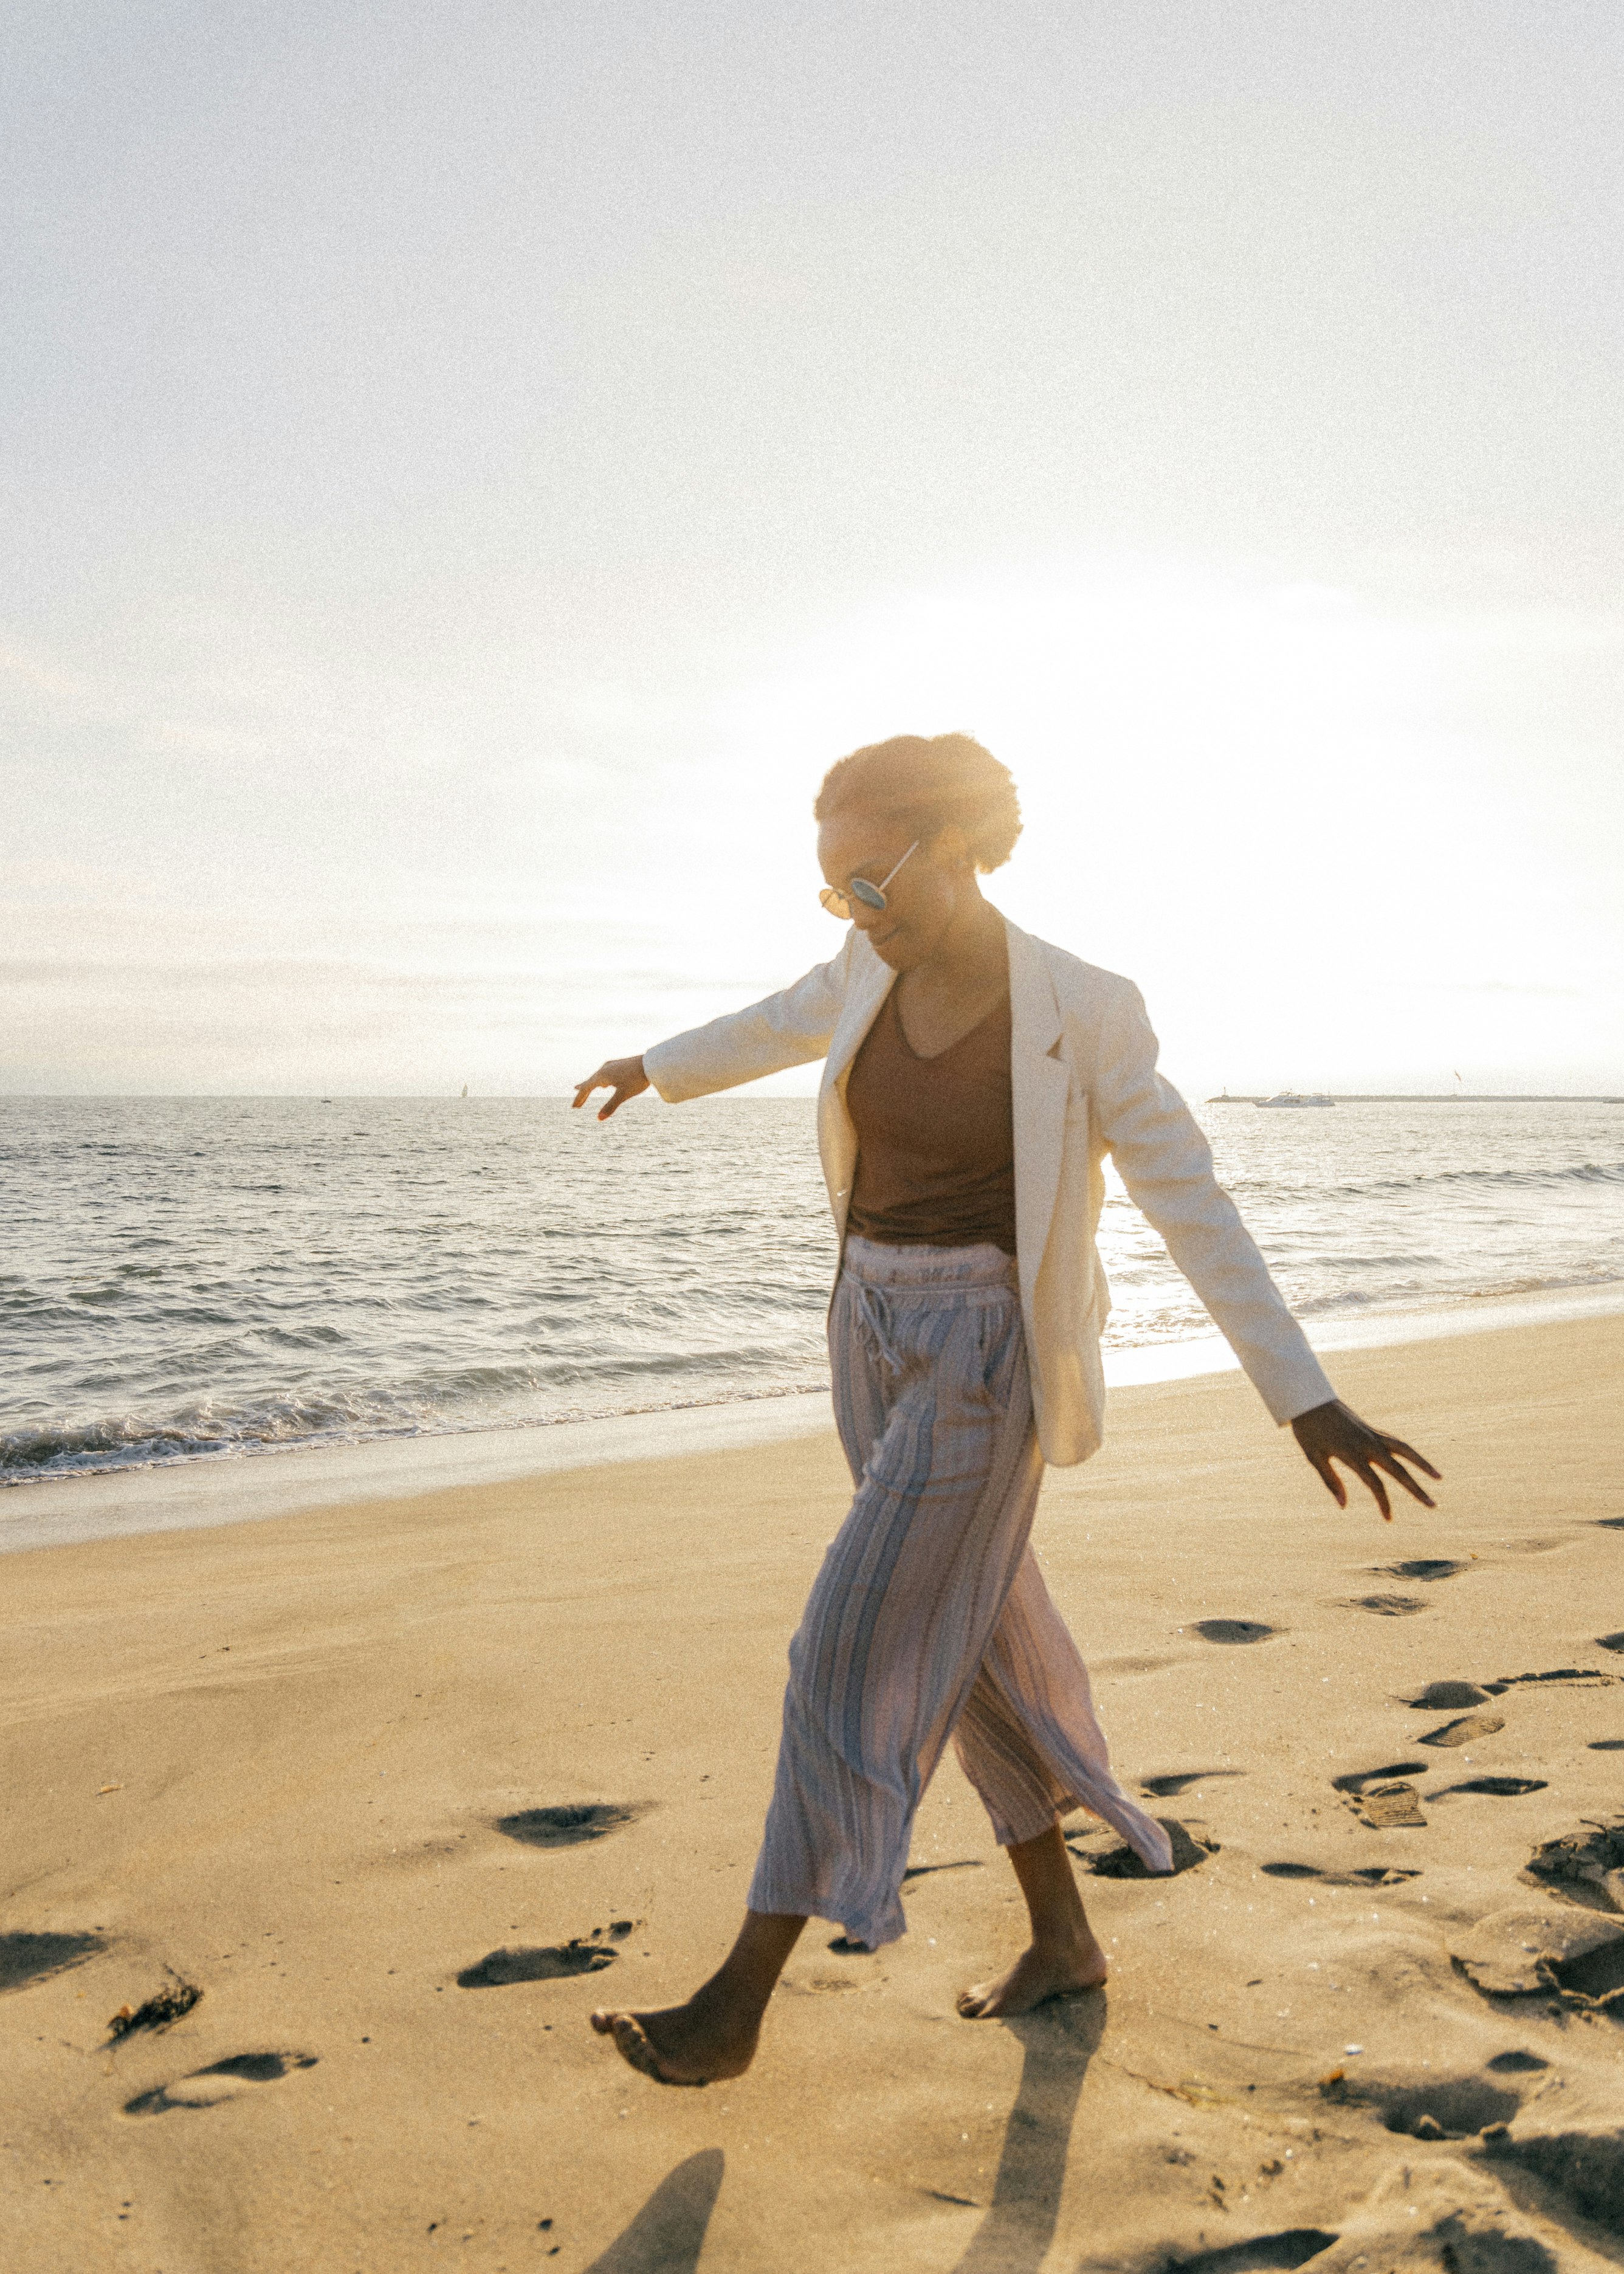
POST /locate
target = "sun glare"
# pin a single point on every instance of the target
(1254, 795)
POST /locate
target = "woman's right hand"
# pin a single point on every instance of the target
(624, 1076)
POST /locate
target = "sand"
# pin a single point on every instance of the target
(297, 1765)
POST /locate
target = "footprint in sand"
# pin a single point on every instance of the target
(1611, 1523)
(1384, 1606)
(497, 1970)
(1292, 2246)
(1598, 1976)
(1373, 1875)
(1590, 1977)
(1234, 1630)
(1587, 1866)
(1355, 1779)
(1421, 1567)
(1168, 1787)
(1190, 1851)
(1464, 1732)
(25, 1958)
(1572, 1677)
(1435, 2108)
(1387, 1806)
(1584, 2170)
(1447, 1696)
(223, 2079)
(1611, 1641)
(568, 1824)
(1529, 1949)
(1381, 1797)
(1496, 1788)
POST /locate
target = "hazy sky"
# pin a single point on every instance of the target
(470, 468)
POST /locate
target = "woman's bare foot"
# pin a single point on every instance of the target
(699, 2042)
(1041, 1971)
(1063, 1956)
(714, 2035)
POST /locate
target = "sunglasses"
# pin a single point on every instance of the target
(858, 888)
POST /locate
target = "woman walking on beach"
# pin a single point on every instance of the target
(974, 1079)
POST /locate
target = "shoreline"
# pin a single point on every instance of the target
(205, 1490)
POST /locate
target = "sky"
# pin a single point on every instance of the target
(471, 468)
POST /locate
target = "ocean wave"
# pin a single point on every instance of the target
(124, 1439)
(1182, 1315)
(1422, 1295)
(1578, 1172)
(108, 1447)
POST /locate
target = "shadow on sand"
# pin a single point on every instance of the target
(1058, 2042)
(668, 2233)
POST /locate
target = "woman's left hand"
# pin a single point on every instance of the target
(1335, 1433)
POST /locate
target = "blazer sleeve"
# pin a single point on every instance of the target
(1167, 1165)
(786, 1030)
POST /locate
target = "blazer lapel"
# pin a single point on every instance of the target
(1038, 1084)
(872, 979)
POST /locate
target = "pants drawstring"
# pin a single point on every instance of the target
(875, 1314)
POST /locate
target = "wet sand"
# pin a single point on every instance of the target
(404, 1787)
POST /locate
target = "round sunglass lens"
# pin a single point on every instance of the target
(870, 895)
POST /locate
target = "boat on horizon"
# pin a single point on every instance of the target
(1297, 1097)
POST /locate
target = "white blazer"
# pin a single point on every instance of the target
(1083, 1062)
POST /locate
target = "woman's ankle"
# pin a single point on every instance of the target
(728, 1996)
(749, 1974)
(1068, 1934)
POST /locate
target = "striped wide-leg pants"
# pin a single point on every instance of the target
(929, 1618)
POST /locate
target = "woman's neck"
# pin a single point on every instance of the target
(970, 956)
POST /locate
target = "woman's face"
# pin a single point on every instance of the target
(920, 901)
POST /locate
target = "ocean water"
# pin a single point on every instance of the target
(183, 1278)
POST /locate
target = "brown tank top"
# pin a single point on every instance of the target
(936, 1137)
